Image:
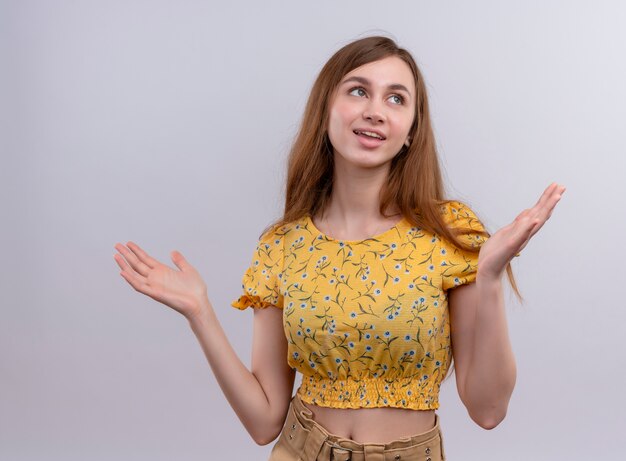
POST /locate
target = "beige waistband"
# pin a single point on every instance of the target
(319, 440)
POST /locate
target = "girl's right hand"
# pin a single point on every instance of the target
(183, 290)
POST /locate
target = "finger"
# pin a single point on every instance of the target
(546, 211)
(138, 284)
(548, 200)
(541, 218)
(130, 261)
(143, 256)
(125, 266)
(547, 193)
(179, 260)
(133, 260)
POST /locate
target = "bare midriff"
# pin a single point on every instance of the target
(373, 425)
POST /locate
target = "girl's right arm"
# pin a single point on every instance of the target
(259, 397)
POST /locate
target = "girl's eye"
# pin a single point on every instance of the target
(399, 99)
(358, 88)
(359, 91)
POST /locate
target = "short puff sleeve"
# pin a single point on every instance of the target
(459, 266)
(261, 281)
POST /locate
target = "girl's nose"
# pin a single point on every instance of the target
(373, 113)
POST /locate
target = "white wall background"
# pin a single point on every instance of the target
(168, 123)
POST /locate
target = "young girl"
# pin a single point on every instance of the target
(369, 285)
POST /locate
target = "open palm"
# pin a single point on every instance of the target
(180, 289)
(502, 246)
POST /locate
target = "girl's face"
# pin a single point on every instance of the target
(371, 113)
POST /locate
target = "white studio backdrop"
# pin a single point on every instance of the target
(168, 123)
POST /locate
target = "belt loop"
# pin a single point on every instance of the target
(373, 452)
(341, 454)
(313, 444)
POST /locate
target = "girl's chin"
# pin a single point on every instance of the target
(363, 159)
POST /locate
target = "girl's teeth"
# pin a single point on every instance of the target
(370, 134)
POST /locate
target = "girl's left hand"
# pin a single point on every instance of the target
(501, 247)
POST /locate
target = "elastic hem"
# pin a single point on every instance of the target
(413, 393)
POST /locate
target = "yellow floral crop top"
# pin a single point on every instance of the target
(366, 321)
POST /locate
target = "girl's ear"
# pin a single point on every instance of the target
(407, 143)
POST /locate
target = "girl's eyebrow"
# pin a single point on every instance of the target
(364, 81)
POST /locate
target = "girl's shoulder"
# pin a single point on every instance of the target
(455, 212)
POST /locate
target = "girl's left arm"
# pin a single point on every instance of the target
(484, 360)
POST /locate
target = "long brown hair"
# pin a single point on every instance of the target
(415, 184)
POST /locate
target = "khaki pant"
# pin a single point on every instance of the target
(303, 439)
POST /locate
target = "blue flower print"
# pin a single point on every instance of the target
(343, 288)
